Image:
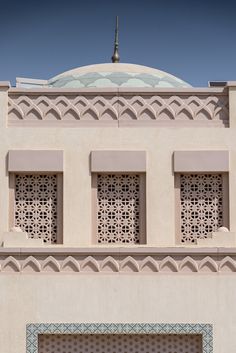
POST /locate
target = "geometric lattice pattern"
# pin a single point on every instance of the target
(201, 205)
(36, 205)
(120, 343)
(33, 332)
(118, 208)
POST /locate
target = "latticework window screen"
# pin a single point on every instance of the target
(35, 209)
(110, 343)
(118, 208)
(201, 205)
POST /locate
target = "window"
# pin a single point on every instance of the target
(36, 205)
(119, 214)
(109, 343)
(202, 204)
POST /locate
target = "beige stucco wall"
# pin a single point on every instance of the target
(138, 298)
(117, 298)
(159, 143)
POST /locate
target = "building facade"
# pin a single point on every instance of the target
(118, 227)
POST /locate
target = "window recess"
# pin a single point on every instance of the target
(119, 208)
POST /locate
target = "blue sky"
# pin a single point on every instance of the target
(193, 40)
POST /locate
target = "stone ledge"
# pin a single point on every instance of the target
(18, 238)
(5, 84)
(222, 239)
(120, 90)
(118, 250)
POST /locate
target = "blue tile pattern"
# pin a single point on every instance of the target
(33, 330)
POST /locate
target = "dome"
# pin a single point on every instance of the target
(116, 75)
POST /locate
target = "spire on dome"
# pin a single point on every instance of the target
(115, 57)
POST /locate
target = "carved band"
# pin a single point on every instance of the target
(184, 108)
(118, 264)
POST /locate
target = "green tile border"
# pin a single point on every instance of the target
(33, 330)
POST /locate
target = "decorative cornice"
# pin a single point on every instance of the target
(118, 108)
(120, 261)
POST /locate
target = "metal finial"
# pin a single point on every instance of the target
(115, 57)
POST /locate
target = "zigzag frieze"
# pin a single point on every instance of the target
(113, 107)
(156, 264)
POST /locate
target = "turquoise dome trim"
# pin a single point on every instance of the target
(119, 75)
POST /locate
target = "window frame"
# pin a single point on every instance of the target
(225, 201)
(59, 209)
(142, 208)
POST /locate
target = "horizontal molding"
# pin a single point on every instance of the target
(68, 91)
(78, 262)
(5, 84)
(117, 250)
(224, 123)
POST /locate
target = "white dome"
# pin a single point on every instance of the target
(116, 75)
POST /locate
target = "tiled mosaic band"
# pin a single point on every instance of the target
(33, 330)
